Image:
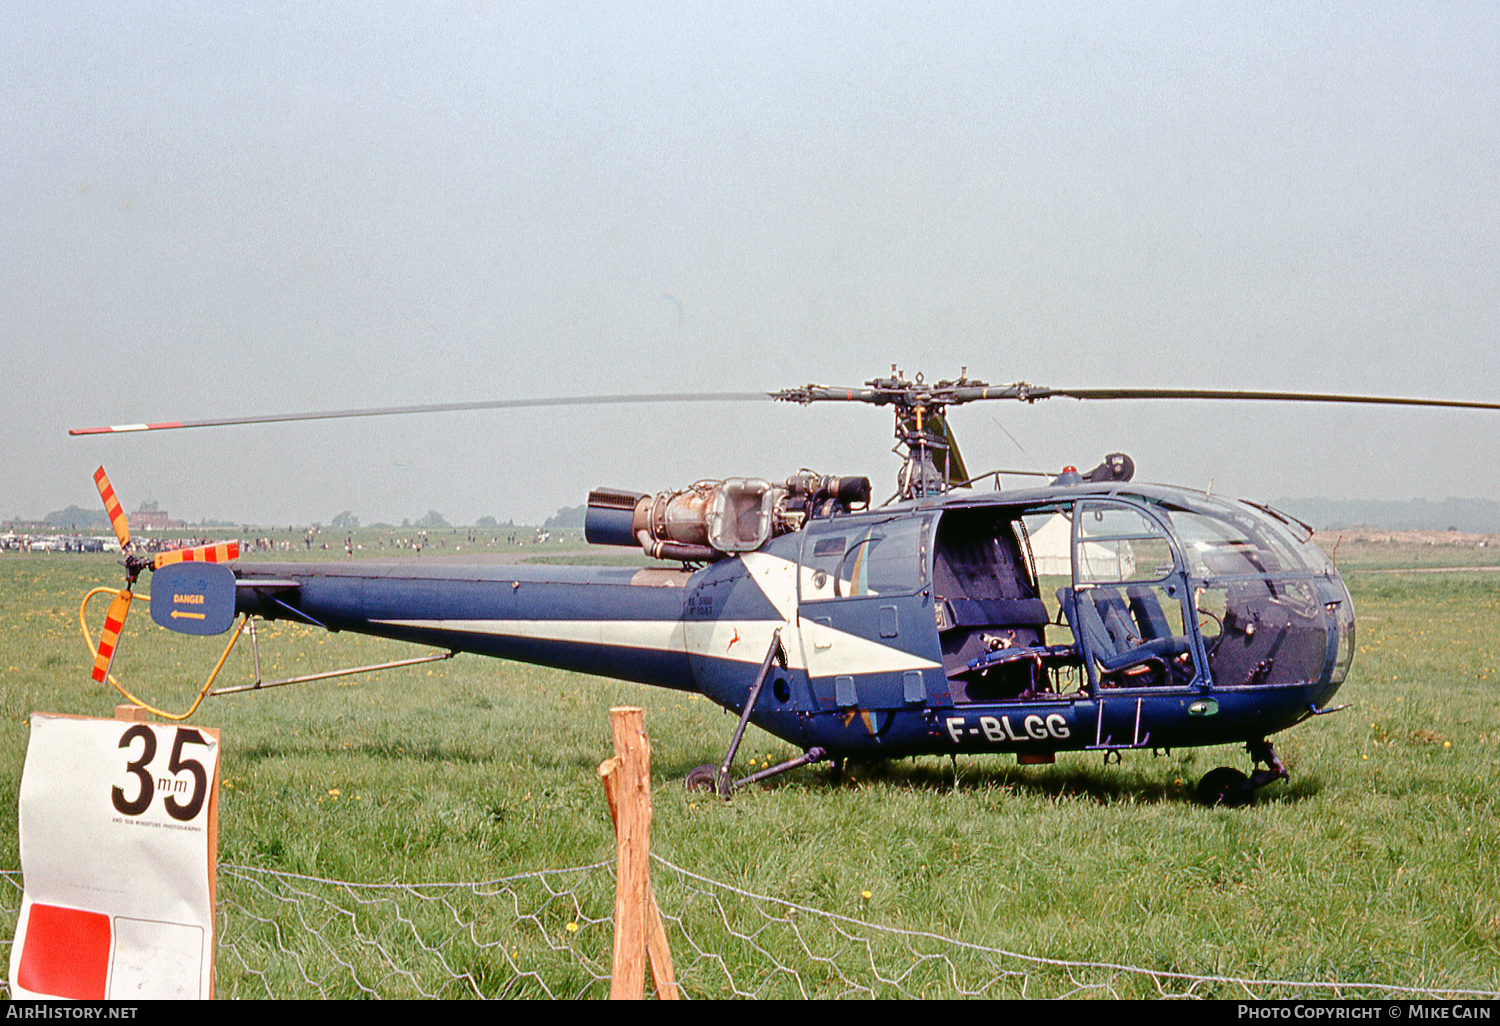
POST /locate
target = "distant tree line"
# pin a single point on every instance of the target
(568, 516)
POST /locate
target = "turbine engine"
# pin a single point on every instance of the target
(714, 519)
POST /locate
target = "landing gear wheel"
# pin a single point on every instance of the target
(1225, 786)
(706, 778)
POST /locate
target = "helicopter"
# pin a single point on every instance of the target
(1088, 613)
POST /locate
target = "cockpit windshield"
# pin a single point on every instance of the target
(1270, 607)
(1222, 538)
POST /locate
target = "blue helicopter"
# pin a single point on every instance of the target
(1090, 613)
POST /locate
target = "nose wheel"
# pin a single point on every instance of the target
(1229, 787)
(1225, 786)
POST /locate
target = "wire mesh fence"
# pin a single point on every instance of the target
(549, 934)
(535, 935)
(10, 906)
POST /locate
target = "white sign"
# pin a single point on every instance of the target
(118, 842)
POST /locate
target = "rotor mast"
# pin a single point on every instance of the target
(931, 462)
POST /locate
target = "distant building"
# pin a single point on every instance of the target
(150, 517)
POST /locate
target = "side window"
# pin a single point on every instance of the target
(1130, 599)
(821, 554)
(856, 560)
(1116, 544)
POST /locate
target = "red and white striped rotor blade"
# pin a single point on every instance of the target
(113, 428)
(109, 641)
(113, 508)
(223, 552)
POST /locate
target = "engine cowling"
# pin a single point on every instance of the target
(714, 519)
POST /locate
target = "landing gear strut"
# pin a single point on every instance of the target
(1227, 786)
(709, 777)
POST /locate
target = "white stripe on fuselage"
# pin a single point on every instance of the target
(742, 641)
(656, 635)
(839, 652)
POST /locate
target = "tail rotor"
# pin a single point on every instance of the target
(135, 562)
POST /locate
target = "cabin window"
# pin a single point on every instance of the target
(1261, 630)
(1229, 542)
(1117, 544)
(862, 559)
(1342, 611)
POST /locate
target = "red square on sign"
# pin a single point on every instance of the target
(66, 953)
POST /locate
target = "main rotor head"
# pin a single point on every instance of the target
(931, 462)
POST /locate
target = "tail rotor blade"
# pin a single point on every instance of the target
(113, 508)
(224, 552)
(114, 622)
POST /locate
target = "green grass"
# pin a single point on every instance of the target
(1378, 862)
(1362, 554)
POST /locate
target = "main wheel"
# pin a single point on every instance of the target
(1225, 786)
(706, 778)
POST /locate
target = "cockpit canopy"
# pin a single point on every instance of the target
(1157, 588)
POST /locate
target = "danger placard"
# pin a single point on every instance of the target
(119, 826)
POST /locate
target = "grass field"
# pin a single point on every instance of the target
(1377, 863)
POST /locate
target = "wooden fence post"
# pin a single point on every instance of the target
(638, 929)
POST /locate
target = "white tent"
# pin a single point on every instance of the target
(1051, 547)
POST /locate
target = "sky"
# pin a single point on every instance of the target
(248, 208)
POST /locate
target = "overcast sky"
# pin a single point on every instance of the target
(230, 209)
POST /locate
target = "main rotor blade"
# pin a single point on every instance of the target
(389, 411)
(956, 393)
(1033, 392)
(944, 394)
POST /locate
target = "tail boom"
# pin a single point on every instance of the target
(614, 622)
